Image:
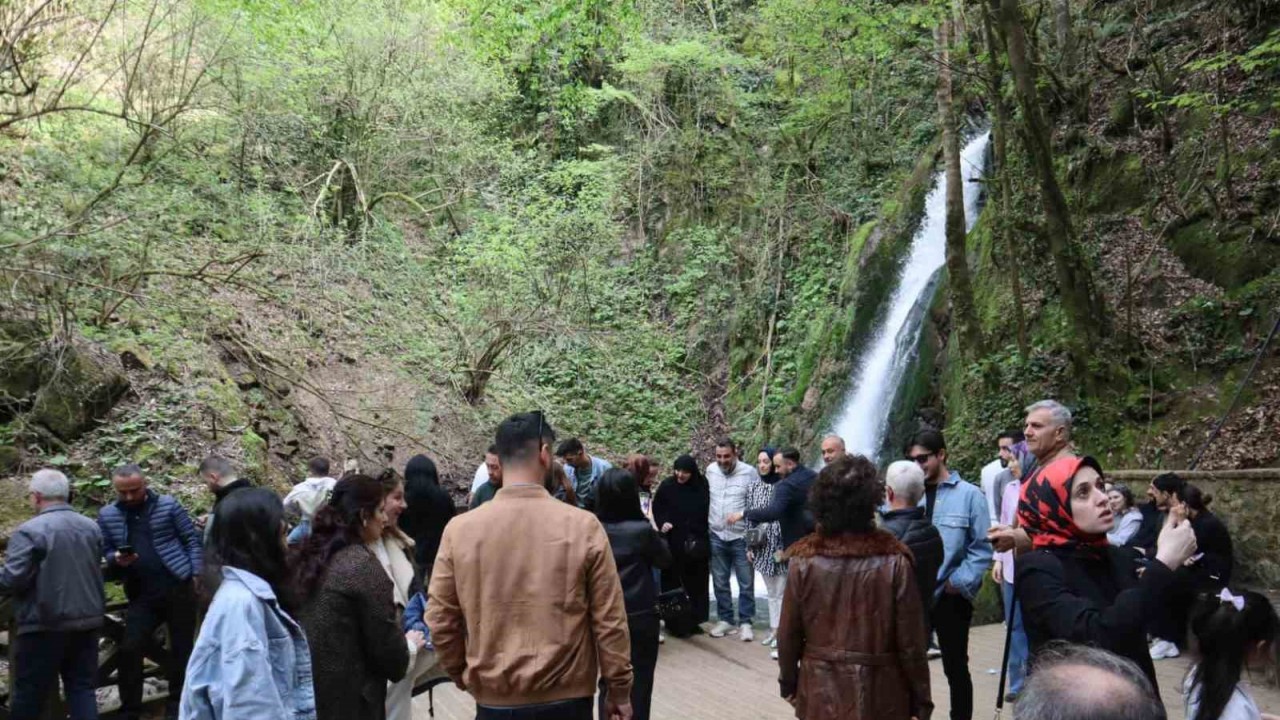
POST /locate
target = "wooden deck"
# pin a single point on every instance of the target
(727, 679)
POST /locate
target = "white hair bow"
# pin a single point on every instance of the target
(1236, 601)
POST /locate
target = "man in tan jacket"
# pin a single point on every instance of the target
(525, 606)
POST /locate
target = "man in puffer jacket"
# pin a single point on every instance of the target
(151, 544)
(904, 486)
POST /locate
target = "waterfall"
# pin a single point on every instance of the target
(892, 344)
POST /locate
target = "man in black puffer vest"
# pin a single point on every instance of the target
(904, 486)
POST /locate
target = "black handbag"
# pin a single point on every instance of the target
(676, 610)
(696, 548)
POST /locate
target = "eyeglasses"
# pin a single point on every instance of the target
(921, 459)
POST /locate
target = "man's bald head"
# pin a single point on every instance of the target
(1074, 682)
(832, 448)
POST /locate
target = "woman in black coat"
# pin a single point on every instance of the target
(429, 509)
(1073, 586)
(637, 550)
(1208, 571)
(680, 509)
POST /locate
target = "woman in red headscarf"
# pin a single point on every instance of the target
(1073, 586)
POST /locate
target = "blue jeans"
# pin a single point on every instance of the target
(1018, 649)
(41, 658)
(729, 555)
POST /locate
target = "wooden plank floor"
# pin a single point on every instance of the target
(726, 679)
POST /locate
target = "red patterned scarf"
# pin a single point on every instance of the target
(1044, 507)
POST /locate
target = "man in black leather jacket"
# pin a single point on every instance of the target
(905, 518)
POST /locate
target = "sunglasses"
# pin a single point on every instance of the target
(921, 459)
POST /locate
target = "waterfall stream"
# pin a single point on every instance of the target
(893, 343)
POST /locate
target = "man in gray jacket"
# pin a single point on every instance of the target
(54, 574)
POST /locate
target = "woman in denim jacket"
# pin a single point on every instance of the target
(251, 661)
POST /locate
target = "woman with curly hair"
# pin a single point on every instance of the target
(835, 664)
(357, 645)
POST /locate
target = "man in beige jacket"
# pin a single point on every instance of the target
(525, 606)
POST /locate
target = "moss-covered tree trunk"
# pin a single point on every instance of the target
(961, 287)
(1082, 304)
(1004, 192)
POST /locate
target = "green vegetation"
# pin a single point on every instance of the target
(283, 227)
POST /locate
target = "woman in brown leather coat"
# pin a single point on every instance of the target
(851, 641)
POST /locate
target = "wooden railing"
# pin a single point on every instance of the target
(155, 657)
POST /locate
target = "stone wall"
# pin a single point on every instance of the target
(1248, 502)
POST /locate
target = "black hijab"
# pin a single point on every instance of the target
(773, 476)
(429, 509)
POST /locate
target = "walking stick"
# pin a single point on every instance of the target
(1004, 662)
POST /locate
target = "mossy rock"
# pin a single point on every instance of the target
(19, 365)
(1111, 182)
(1120, 116)
(1223, 254)
(15, 508)
(10, 457)
(81, 382)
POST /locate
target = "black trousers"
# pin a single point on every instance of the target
(695, 577)
(176, 608)
(578, 709)
(952, 616)
(644, 659)
(40, 658)
(1174, 614)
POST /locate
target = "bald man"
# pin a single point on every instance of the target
(832, 448)
(1075, 682)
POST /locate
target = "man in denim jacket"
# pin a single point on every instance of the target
(959, 510)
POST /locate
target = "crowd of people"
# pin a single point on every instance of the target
(548, 597)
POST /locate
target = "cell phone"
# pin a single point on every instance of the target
(125, 550)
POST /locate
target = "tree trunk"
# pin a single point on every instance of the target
(1083, 307)
(1003, 194)
(1064, 34)
(961, 287)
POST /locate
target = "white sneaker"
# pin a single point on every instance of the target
(933, 653)
(774, 654)
(1163, 649)
(774, 643)
(768, 640)
(721, 629)
(662, 638)
(747, 635)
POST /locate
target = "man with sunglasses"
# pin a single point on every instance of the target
(959, 510)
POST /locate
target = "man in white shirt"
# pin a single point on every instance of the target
(991, 471)
(307, 497)
(490, 468)
(729, 478)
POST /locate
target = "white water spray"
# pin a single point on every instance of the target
(864, 417)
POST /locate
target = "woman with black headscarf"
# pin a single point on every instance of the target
(1076, 587)
(429, 509)
(681, 506)
(765, 546)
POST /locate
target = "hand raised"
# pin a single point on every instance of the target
(1177, 542)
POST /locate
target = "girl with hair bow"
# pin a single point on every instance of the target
(1233, 632)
